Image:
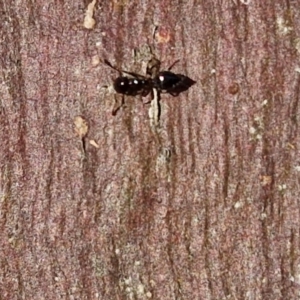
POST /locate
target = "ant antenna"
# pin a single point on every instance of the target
(154, 32)
(110, 65)
(173, 64)
(120, 71)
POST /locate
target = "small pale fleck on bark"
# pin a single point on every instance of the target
(89, 22)
(95, 60)
(162, 35)
(81, 126)
(93, 143)
(265, 180)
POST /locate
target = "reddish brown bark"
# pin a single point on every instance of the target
(206, 207)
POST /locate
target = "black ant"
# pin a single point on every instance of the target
(162, 81)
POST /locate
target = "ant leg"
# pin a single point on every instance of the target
(146, 91)
(116, 109)
(154, 32)
(110, 65)
(174, 63)
(147, 102)
(120, 71)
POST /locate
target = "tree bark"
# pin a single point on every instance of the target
(204, 205)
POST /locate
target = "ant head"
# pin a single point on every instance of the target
(121, 85)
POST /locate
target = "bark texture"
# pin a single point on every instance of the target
(205, 207)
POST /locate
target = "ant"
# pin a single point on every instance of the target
(162, 81)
